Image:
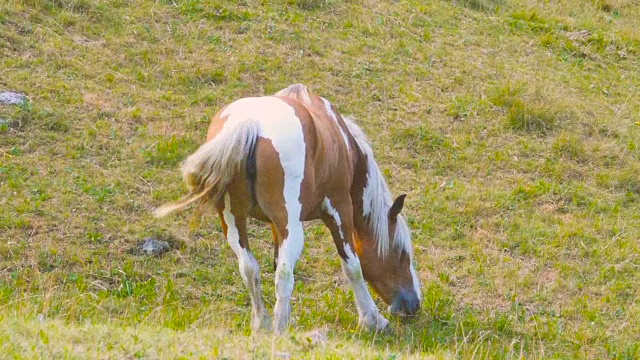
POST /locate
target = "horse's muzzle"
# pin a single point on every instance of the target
(406, 303)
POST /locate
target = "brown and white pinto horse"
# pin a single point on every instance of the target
(288, 158)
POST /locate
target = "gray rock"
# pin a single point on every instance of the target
(580, 36)
(317, 337)
(11, 98)
(152, 246)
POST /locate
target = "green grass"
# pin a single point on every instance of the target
(516, 139)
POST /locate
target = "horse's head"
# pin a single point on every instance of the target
(392, 275)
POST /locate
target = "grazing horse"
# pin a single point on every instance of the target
(289, 158)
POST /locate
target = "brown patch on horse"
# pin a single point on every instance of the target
(239, 191)
(225, 227)
(269, 186)
(217, 123)
(357, 244)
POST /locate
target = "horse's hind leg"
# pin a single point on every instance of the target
(288, 254)
(339, 221)
(289, 235)
(235, 225)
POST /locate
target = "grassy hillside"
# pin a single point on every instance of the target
(513, 125)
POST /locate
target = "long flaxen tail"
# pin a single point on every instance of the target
(209, 170)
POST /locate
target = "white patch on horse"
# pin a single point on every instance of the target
(367, 309)
(367, 198)
(329, 108)
(334, 214)
(233, 236)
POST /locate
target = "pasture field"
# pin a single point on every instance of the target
(512, 125)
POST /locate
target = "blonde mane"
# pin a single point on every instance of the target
(377, 200)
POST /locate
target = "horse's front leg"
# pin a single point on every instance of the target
(234, 226)
(339, 221)
(288, 254)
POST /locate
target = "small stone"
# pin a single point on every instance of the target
(11, 98)
(152, 246)
(581, 35)
(317, 337)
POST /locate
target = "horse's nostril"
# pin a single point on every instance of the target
(406, 303)
(413, 305)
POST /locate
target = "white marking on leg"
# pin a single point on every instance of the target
(370, 318)
(329, 109)
(334, 214)
(249, 269)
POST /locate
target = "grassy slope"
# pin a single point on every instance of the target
(519, 149)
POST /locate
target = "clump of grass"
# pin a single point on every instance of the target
(605, 5)
(215, 12)
(309, 4)
(628, 182)
(532, 111)
(530, 20)
(79, 6)
(531, 117)
(483, 5)
(567, 145)
(463, 106)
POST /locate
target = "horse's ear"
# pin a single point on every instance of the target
(397, 206)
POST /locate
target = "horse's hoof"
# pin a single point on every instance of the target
(371, 323)
(280, 332)
(382, 324)
(261, 324)
(280, 327)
